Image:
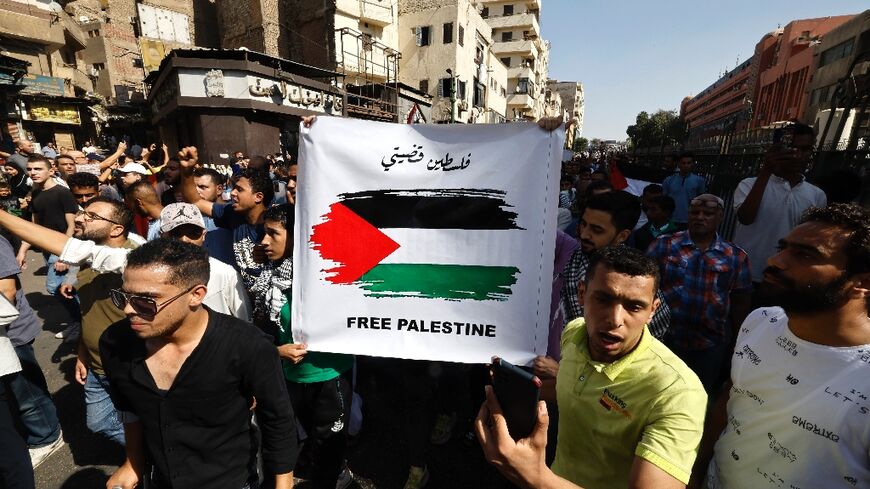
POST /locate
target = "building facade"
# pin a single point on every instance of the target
(786, 67)
(228, 100)
(724, 106)
(516, 33)
(45, 90)
(126, 40)
(447, 53)
(572, 106)
(834, 60)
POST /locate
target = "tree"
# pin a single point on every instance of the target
(581, 145)
(662, 128)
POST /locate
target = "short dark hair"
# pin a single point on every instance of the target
(38, 158)
(686, 154)
(260, 182)
(597, 185)
(852, 218)
(283, 213)
(257, 162)
(653, 188)
(665, 202)
(187, 263)
(143, 189)
(216, 177)
(120, 213)
(625, 260)
(82, 180)
(624, 208)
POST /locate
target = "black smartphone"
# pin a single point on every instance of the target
(518, 392)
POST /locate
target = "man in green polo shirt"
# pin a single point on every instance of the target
(631, 412)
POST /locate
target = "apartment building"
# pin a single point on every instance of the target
(571, 107)
(44, 85)
(516, 33)
(447, 53)
(126, 40)
(838, 61)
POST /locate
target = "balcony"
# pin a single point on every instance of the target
(520, 72)
(522, 47)
(525, 21)
(378, 12)
(38, 29)
(520, 100)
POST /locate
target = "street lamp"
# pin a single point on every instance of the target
(452, 94)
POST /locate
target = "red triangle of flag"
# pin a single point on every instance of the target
(351, 242)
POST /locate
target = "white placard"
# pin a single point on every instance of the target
(426, 242)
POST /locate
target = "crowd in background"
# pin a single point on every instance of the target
(176, 277)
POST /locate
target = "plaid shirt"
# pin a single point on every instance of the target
(575, 272)
(698, 286)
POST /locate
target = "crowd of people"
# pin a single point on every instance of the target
(675, 358)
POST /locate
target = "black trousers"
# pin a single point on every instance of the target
(15, 469)
(323, 409)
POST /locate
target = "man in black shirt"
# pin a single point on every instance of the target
(53, 206)
(184, 379)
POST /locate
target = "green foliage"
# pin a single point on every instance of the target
(662, 128)
(581, 145)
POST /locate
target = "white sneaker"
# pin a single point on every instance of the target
(38, 455)
(71, 333)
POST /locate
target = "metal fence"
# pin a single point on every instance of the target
(724, 172)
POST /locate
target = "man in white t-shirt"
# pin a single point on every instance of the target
(226, 293)
(769, 206)
(797, 414)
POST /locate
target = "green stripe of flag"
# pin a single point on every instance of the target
(429, 281)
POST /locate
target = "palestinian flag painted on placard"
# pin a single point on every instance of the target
(352, 236)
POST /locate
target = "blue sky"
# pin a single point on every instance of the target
(634, 55)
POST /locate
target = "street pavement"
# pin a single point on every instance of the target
(377, 457)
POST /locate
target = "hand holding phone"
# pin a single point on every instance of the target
(518, 392)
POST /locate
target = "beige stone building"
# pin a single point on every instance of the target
(447, 53)
(571, 104)
(126, 40)
(516, 33)
(44, 85)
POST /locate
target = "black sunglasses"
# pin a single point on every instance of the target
(91, 216)
(145, 307)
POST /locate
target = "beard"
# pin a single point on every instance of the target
(97, 236)
(807, 298)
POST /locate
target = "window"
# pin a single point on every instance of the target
(837, 52)
(424, 35)
(479, 93)
(448, 32)
(522, 85)
(94, 33)
(445, 86)
(461, 92)
(508, 10)
(506, 61)
(507, 36)
(526, 35)
(485, 12)
(461, 36)
(99, 66)
(424, 86)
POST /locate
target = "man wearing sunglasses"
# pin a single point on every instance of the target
(706, 283)
(184, 378)
(107, 223)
